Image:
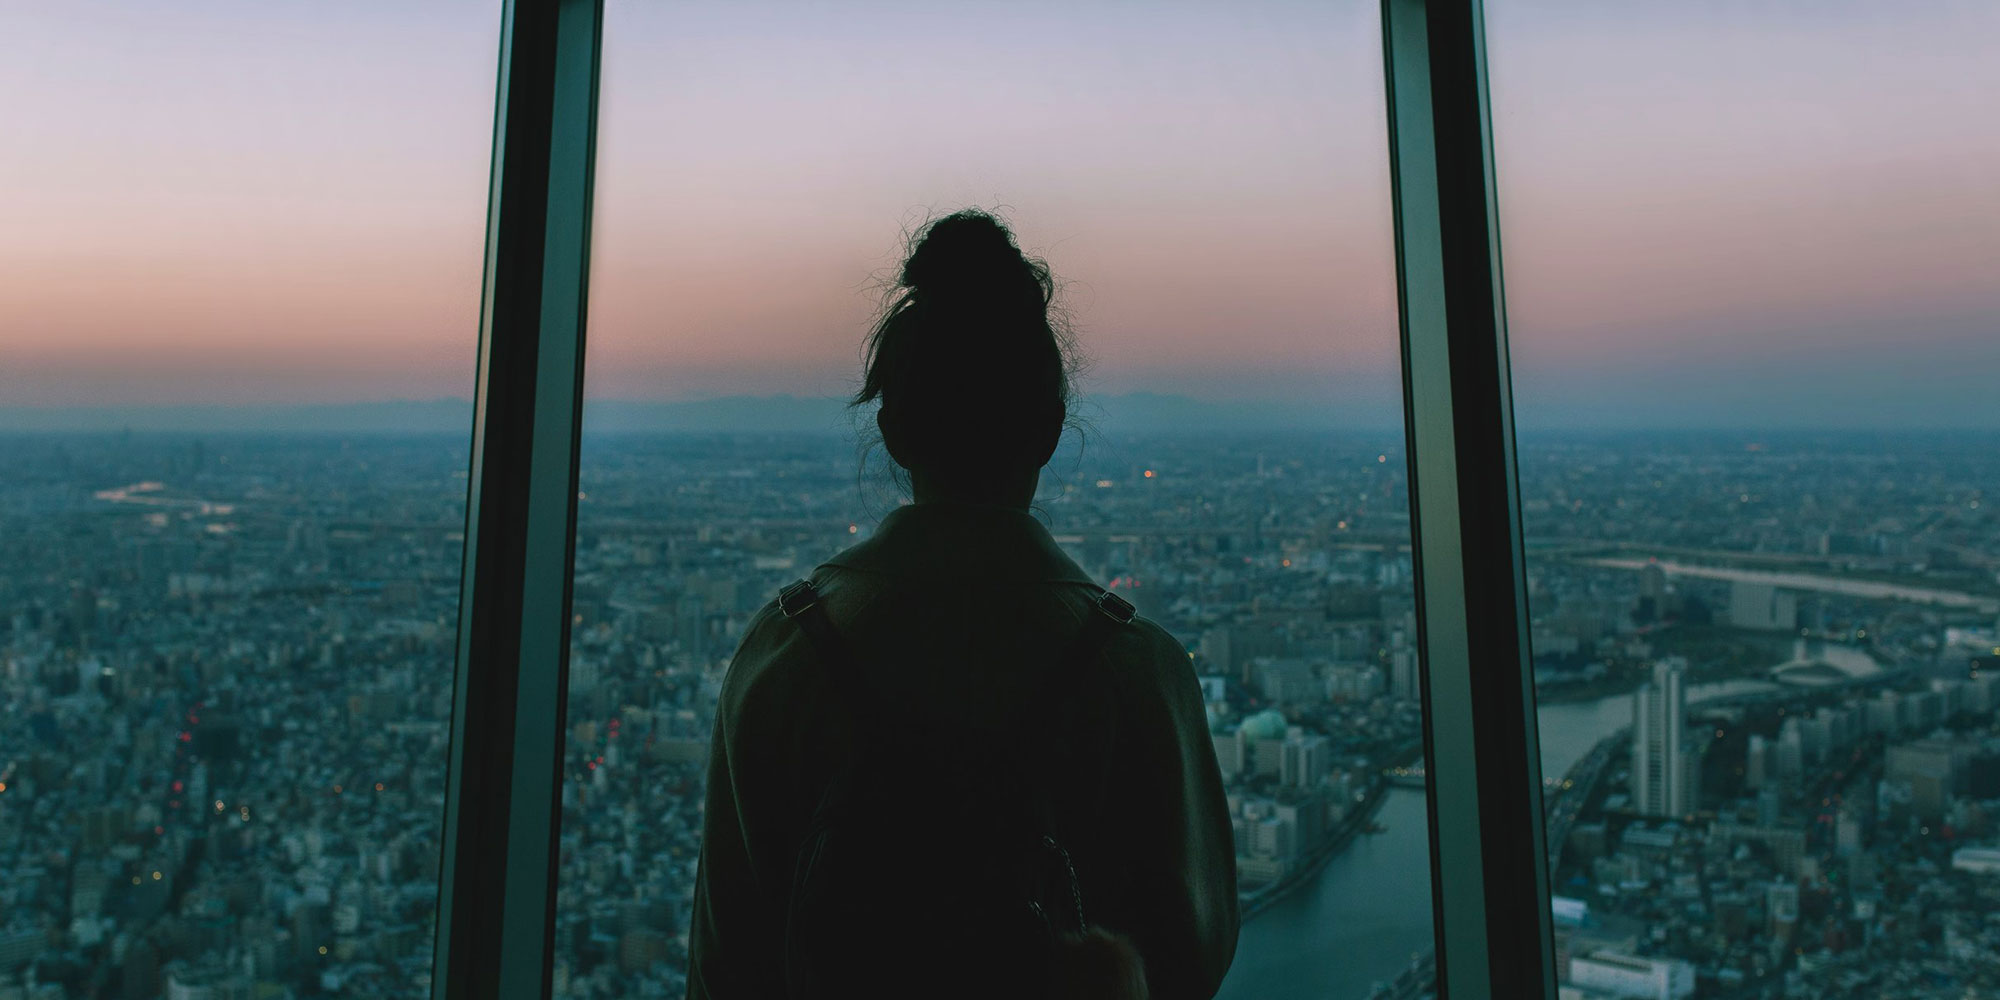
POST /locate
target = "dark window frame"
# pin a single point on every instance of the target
(1489, 867)
(497, 895)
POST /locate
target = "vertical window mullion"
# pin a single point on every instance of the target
(497, 894)
(1488, 857)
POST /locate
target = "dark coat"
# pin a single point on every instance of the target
(943, 606)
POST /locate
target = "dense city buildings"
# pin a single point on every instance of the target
(1768, 672)
(1816, 620)
(225, 686)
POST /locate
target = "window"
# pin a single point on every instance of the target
(1754, 315)
(1755, 331)
(241, 265)
(1211, 188)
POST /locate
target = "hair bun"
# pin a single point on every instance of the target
(971, 373)
(962, 251)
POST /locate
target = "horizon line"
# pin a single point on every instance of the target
(816, 415)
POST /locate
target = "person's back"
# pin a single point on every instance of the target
(961, 614)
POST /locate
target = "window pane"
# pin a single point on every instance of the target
(1210, 186)
(1749, 254)
(241, 282)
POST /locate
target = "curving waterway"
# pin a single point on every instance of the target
(1369, 910)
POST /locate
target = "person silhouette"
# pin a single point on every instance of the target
(949, 763)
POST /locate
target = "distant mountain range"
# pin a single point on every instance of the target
(1128, 413)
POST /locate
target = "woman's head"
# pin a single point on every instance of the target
(972, 375)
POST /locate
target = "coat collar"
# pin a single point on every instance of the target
(961, 542)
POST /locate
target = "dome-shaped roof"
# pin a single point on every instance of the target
(1265, 725)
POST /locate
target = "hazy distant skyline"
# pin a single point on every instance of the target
(1710, 215)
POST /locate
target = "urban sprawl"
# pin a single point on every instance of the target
(226, 662)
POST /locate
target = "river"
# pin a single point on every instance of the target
(1369, 910)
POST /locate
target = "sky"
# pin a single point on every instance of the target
(1712, 214)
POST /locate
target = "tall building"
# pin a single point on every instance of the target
(1757, 766)
(1304, 758)
(1404, 681)
(1791, 752)
(1652, 603)
(1666, 763)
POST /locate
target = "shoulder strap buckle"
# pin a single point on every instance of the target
(797, 596)
(1116, 608)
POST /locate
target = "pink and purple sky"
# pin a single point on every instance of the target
(1712, 213)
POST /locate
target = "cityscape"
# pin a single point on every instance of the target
(1768, 670)
(263, 251)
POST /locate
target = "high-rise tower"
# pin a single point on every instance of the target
(1666, 764)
